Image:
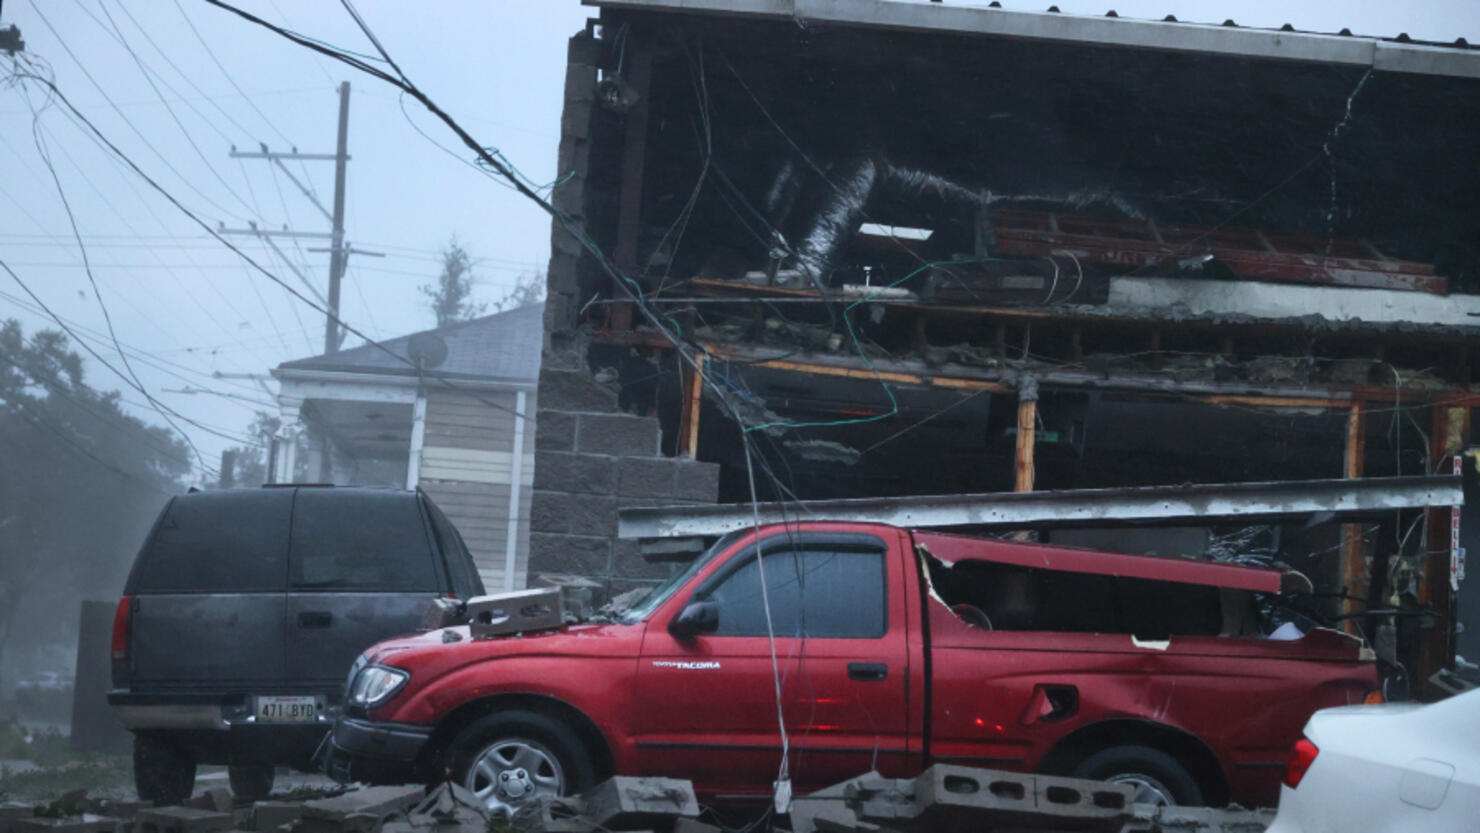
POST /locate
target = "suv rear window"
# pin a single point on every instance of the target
(218, 542)
(360, 540)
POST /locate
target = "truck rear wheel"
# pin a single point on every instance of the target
(1156, 776)
(164, 771)
(252, 781)
(509, 758)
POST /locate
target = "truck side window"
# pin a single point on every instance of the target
(219, 542)
(360, 542)
(815, 593)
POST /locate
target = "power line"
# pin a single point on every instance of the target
(188, 183)
(211, 53)
(82, 450)
(71, 245)
(146, 71)
(439, 377)
(108, 420)
(126, 378)
(97, 293)
(152, 360)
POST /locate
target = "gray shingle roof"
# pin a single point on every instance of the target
(505, 345)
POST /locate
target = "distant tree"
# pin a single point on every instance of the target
(80, 484)
(451, 296)
(528, 289)
(250, 463)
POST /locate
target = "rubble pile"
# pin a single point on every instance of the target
(943, 798)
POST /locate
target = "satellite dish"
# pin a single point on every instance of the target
(427, 350)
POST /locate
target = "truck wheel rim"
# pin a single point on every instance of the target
(1148, 789)
(513, 772)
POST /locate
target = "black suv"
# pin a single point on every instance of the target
(245, 610)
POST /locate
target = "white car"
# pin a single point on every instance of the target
(1395, 767)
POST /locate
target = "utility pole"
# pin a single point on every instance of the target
(339, 251)
(337, 257)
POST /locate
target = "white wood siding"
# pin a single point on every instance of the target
(466, 463)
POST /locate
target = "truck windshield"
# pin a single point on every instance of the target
(659, 594)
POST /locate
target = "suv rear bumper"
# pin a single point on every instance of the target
(366, 750)
(143, 711)
(220, 728)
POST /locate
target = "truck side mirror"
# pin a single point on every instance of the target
(694, 619)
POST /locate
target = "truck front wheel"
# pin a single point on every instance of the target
(1155, 775)
(164, 771)
(509, 758)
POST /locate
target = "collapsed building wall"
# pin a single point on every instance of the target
(881, 241)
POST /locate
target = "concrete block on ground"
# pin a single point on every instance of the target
(85, 823)
(953, 796)
(118, 809)
(268, 816)
(359, 811)
(629, 802)
(618, 434)
(215, 798)
(12, 812)
(1175, 819)
(551, 814)
(183, 820)
(1092, 803)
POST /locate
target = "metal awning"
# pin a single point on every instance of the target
(1342, 498)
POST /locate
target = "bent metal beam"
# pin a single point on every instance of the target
(1067, 508)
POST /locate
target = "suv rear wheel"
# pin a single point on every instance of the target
(252, 781)
(1156, 776)
(164, 771)
(510, 758)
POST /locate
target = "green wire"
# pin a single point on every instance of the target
(848, 322)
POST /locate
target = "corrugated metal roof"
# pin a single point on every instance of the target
(502, 346)
(1400, 54)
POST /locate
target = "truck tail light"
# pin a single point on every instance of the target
(1374, 698)
(120, 628)
(1301, 757)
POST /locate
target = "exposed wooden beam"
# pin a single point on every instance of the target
(688, 419)
(1027, 425)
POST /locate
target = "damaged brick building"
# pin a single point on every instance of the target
(936, 249)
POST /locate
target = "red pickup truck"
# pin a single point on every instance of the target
(894, 649)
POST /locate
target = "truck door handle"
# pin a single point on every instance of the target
(315, 619)
(867, 671)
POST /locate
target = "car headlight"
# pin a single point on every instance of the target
(376, 684)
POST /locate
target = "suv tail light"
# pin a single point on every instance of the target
(1301, 757)
(120, 628)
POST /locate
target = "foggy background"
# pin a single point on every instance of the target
(87, 454)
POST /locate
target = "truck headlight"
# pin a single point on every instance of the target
(376, 684)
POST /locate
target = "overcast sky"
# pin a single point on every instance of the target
(185, 307)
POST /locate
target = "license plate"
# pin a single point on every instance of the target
(287, 709)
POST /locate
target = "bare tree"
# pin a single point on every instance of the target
(528, 289)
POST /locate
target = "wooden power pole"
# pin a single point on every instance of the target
(339, 251)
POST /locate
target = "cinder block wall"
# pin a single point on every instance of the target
(591, 458)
